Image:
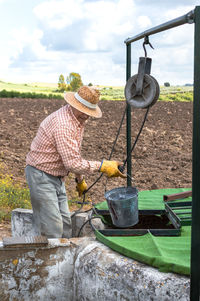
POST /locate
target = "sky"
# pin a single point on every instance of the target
(42, 39)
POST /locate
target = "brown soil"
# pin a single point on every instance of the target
(162, 157)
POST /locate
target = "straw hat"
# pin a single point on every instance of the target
(85, 100)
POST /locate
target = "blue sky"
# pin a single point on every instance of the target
(42, 39)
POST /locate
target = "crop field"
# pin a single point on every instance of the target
(162, 158)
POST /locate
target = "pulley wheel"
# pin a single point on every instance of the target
(150, 92)
(157, 92)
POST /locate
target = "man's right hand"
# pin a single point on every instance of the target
(110, 168)
(81, 187)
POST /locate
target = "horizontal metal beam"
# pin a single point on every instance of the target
(188, 18)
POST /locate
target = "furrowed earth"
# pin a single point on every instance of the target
(162, 157)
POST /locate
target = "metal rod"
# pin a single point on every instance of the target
(128, 116)
(188, 18)
(195, 248)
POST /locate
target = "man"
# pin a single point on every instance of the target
(56, 151)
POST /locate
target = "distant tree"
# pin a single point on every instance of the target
(74, 80)
(167, 84)
(90, 84)
(61, 79)
(61, 83)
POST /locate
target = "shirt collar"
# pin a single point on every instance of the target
(73, 117)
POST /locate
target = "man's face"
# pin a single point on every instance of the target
(81, 117)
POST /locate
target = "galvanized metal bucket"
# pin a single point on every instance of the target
(123, 206)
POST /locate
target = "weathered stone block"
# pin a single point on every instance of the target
(22, 223)
(80, 219)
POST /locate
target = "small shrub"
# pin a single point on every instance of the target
(12, 196)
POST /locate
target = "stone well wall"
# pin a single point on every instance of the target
(83, 269)
(79, 269)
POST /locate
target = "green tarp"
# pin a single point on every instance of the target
(168, 254)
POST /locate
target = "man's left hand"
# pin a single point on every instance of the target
(81, 187)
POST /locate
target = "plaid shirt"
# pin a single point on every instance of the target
(56, 149)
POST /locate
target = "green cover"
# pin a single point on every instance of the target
(168, 254)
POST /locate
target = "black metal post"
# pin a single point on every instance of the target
(128, 116)
(195, 248)
(192, 16)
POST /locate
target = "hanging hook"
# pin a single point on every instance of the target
(146, 41)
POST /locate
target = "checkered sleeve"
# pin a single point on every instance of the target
(70, 152)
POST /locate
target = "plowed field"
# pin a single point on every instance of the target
(162, 156)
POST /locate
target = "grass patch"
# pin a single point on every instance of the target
(181, 97)
(12, 94)
(180, 94)
(29, 87)
(45, 90)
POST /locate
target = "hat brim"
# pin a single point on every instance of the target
(70, 99)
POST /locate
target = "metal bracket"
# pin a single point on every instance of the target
(143, 68)
(190, 17)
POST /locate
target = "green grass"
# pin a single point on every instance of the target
(177, 93)
(12, 93)
(31, 87)
(40, 90)
(34, 88)
(181, 97)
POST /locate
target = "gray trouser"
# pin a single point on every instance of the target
(49, 203)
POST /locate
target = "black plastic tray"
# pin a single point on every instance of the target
(172, 224)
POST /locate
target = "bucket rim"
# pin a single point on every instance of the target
(109, 192)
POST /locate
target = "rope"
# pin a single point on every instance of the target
(129, 154)
(146, 42)
(136, 139)
(112, 150)
(125, 161)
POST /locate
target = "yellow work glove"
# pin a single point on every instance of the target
(81, 187)
(110, 168)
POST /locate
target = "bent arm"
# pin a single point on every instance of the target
(68, 148)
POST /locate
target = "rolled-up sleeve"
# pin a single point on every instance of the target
(69, 150)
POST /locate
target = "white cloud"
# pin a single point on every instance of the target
(144, 22)
(178, 11)
(88, 37)
(103, 21)
(59, 14)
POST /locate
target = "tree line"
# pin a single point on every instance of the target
(73, 82)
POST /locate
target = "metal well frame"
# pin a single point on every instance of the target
(191, 17)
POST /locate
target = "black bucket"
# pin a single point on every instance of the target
(123, 206)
